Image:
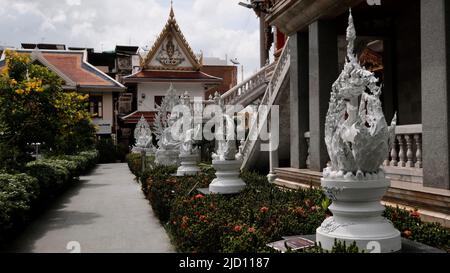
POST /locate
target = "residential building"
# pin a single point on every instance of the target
(80, 76)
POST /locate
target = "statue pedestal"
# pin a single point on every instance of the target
(189, 165)
(167, 157)
(227, 179)
(357, 215)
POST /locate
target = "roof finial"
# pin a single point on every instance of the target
(351, 35)
(172, 14)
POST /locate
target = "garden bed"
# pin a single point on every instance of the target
(261, 214)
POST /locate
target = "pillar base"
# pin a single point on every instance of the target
(227, 179)
(167, 157)
(358, 216)
(188, 165)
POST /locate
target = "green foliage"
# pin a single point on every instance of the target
(35, 109)
(110, 153)
(237, 223)
(21, 193)
(412, 227)
(51, 175)
(134, 163)
(17, 193)
(260, 214)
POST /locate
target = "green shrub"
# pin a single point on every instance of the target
(51, 175)
(77, 164)
(134, 163)
(17, 193)
(110, 153)
(412, 227)
(237, 223)
(71, 166)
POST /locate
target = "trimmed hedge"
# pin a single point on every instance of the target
(22, 194)
(17, 193)
(134, 163)
(260, 214)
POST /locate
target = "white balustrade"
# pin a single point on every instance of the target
(406, 151)
(274, 86)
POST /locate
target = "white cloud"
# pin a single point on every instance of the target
(217, 28)
(73, 2)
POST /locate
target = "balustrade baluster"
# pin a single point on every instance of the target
(401, 152)
(409, 151)
(418, 140)
(394, 156)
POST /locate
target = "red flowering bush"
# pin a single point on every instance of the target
(260, 214)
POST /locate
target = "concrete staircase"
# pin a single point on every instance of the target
(278, 79)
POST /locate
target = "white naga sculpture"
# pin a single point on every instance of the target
(358, 140)
(143, 137)
(189, 155)
(168, 146)
(227, 160)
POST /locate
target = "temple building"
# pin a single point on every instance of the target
(81, 76)
(172, 61)
(406, 44)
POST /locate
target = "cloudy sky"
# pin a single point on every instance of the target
(216, 27)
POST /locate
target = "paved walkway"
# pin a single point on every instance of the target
(105, 212)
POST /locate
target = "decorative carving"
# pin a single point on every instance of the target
(168, 143)
(226, 141)
(330, 225)
(143, 136)
(170, 53)
(357, 139)
(162, 117)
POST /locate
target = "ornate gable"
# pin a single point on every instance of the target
(171, 50)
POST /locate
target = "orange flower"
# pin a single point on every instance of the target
(308, 203)
(299, 211)
(184, 222)
(237, 228)
(199, 196)
(264, 209)
(415, 214)
(407, 233)
(251, 229)
(20, 91)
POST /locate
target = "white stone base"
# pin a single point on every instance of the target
(358, 216)
(167, 157)
(227, 179)
(188, 165)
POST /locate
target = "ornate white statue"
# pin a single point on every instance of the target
(167, 141)
(189, 155)
(358, 140)
(170, 100)
(168, 146)
(227, 160)
(143, 136)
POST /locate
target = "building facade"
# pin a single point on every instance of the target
(406, 44)
(171, 61)
(80, 76)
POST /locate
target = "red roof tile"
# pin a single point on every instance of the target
(164, 75)
(71, 66)
(134, 117)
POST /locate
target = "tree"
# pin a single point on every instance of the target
(34, 108)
